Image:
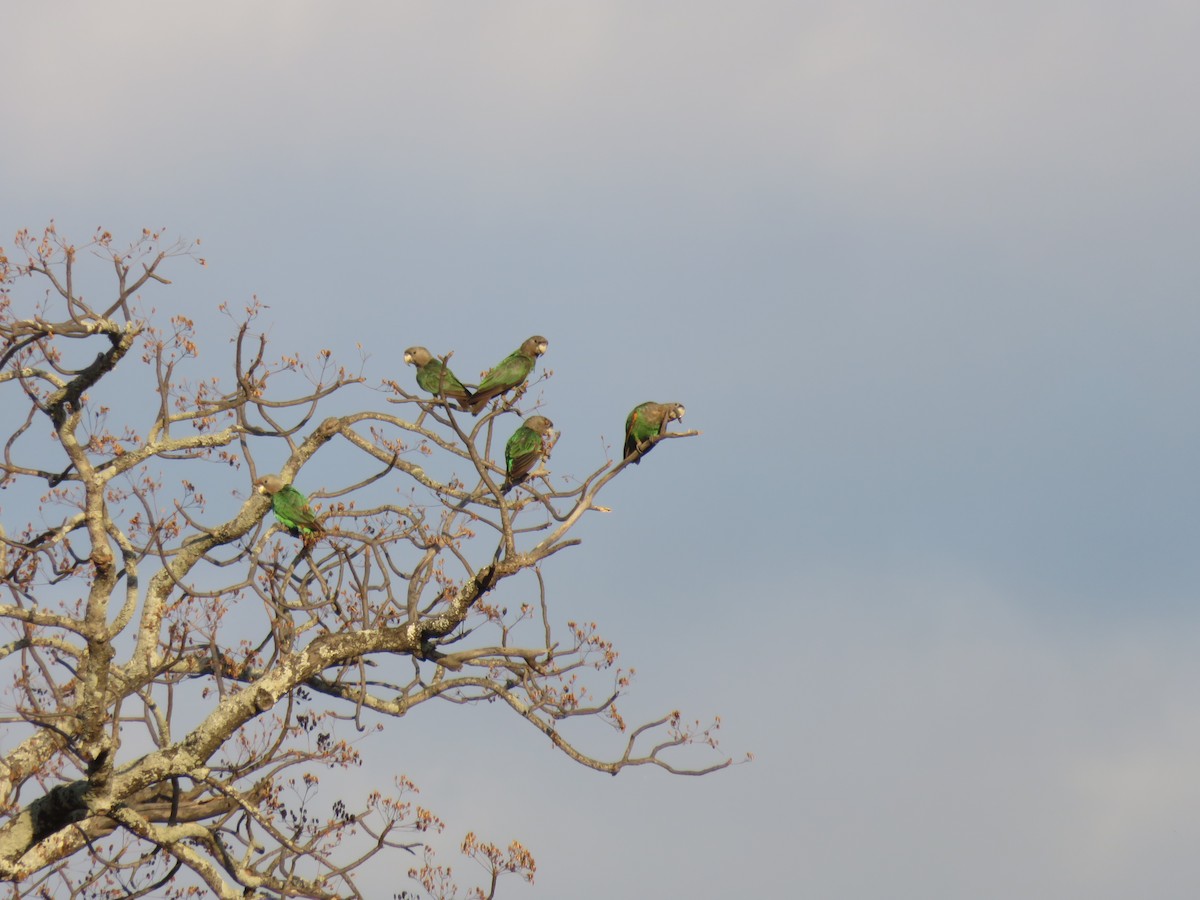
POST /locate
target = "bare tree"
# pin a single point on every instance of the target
(180, 675)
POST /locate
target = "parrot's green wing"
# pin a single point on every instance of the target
(507, 374)
(644, 421)
(437, 379)
(292, 510)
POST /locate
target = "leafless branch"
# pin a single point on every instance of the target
(181, 667)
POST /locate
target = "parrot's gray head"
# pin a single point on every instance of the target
(536, 345)
(269, 484)
(416, 356)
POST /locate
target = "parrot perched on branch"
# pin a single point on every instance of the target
(644, 422)
(523, 450)
(291, 507)
(509, 373)
(435, 377)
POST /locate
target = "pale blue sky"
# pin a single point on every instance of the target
(925, 275)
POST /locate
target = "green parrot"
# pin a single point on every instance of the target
(523, 450)
(644, 422)
(435, 377)
(291, 507)
(509, 372)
